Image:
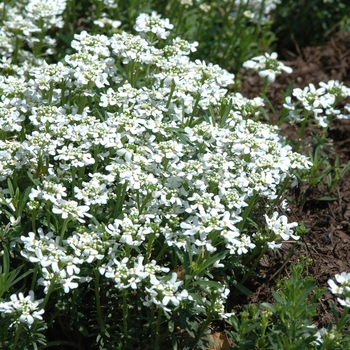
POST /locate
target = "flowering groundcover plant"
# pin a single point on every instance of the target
(134, 188)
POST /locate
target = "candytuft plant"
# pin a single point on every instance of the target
(138, 188)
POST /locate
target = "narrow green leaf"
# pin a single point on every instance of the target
(345, 169)
(211, 284)
(210, 261)
(278, 297)
(327, 198)
(269, 306)
(6, 261)
(243, 289)
(10, 187)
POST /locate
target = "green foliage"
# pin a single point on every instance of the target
(315, 20)
(285, 324)
(9, 278)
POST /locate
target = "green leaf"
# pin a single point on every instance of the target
(9, 279)
(196, 297)
(66, 38)
(278, 297)
(181, 134)
(345, 169)
(211, 284)
(202, 265)
(171, 325)
(226, 113)
(10, 188)
(185, 257)
(243, 289)
(35, 181)
(269, 306)
(83, 331)
(327, 198)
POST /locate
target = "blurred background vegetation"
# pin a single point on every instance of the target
(227, 32)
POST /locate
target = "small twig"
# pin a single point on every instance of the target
(308, 251)
(307, 257)
(339, 201)
(297, 48)
(290, 254)
(59, 343)
(330, 209)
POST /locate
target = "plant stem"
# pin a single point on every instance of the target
(33, 220)
(301, 132)
(18, 332)
(247, 275)
(16, 51)
(47, 296)
(63, 230)
(125, 313)
(251, 205)
(121, 192)
(179, 24)
(189, 122)
(73, 13)
(172, 89)
(34, 276)
(97, 298)
(159, 319)
(204, 325)
(43, 304)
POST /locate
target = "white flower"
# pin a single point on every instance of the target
(336, 88)
(268, 66)
(71, 209)
(46, 12)
(280, 226)
(344, 302)
(273, 245)
(343, 290)
(334, 288)
(167, 291)
(104, 20)
(68, 283)
(314, 99)
(270, 74)
(153, 23)
(25, 308)
(319, 335)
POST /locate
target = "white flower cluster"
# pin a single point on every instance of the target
(48, 13)
(258, 11)
(343, 289)
(57, 267)
(153, 23)
(163, 292)
(340, 288)
(320, 101)
(267, 66)
(160, 162)
(22, 309)
(110, 4)
(28, 22)
(280, 227)
(104, 21)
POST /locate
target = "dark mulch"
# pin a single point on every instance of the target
(327, 243)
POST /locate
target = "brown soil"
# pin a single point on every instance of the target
(327, 243)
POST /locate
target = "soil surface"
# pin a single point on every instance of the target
(327, 243)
